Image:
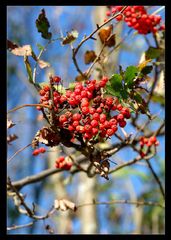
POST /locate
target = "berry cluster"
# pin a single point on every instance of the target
(138, 18)
(63, 163)
(86, 111)
(38, 151)
(147, 142)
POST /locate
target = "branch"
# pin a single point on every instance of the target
(21, 149)
(137, 203)
(35, 178)
(156, 178)
(14, 227)
(75, 51)
(29, 105)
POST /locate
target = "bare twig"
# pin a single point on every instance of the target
(137, 203)
(75, 50)
(21, 149)
(156, 178)
(15, 227)
(28, 105)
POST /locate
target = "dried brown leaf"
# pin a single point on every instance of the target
(10, 124)
(11, 138)
(89, 57)
(43, 64)
(20, 51)
(11, 45)
(111, 41)
(104, 33)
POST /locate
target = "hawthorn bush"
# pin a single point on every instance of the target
(90, 118)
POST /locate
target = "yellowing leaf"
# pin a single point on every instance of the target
(143, 64)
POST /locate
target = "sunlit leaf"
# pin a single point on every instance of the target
(71, 37)
(153, 52)
(130, 73)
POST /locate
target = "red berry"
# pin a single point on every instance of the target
(35, 152)
(110, 132)
(96, 116)
(94, 123)
(56, 79)
(62, 119)
(85, 110)
(42, 150)
(76, 116)
(120, 117)
(122, 123)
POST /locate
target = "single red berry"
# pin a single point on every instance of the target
(96, 116)
(94, 123)
(62, 118)
(153, 139)
(36, 152)
(85, 110)
(42, 150)
(56, 79)
(110, 132)
(122, 123)
(76, 117)
(95, 131)
(120, 117)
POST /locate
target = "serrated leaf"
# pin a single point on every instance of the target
(71, 37)
(43, 25)
(116, 82)
(124, 94)
(153, 52)
(147, 69)
(111, 91)
(130, 73)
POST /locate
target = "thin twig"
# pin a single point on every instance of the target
(14, 227)
(156, 178)
(29, 105)
(137, 203)
(75, 50)
(21, 149)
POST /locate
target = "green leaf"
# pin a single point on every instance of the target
(124, 94)
(130, 73)
(28, 68)
(40, 47)
(147, 69)
(60, 89)
(71, 86)
(43, 25)
(116, 82)
(111, 91)
(153, 52)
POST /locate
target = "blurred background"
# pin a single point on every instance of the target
(131, 183)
